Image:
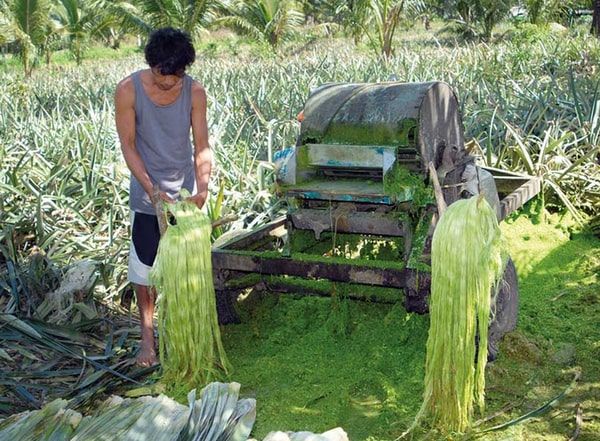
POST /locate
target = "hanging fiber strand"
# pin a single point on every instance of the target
(468, 258)
(190, 344)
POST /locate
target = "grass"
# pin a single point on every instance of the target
(314, 363)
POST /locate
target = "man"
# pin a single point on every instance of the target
(155, 108)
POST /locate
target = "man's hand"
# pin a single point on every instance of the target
(157, 196)
(199, 199)
(166, 198)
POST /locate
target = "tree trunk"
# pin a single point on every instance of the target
(595, 30)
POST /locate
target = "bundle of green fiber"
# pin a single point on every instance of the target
(467, 262)
(191, 351)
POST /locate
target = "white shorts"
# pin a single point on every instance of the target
(137, 272)
(146, 234)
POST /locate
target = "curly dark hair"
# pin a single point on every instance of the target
(169, 50)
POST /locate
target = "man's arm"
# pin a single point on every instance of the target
(202, 152)
(125, 122)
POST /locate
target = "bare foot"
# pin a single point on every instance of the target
(147, 355)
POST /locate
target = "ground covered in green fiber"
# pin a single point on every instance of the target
(316, 363)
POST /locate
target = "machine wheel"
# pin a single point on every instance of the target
(504, 310)
(226, 312)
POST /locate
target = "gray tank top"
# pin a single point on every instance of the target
(162, 138)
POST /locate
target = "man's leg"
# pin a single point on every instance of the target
(145, 301)
(145, 236)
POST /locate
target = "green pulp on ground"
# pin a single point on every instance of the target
(314, 363)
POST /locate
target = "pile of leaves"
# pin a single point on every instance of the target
(66, 344)
(217, 414)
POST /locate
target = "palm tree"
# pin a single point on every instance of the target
(354, 16)
(77, 23)
(118, 20)
(191, 16)
(26, 23)
(378, 20)
(267, 21)
(476, 19)
(386, 17)
(542, 12)
(491, 13)
(535, 8)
